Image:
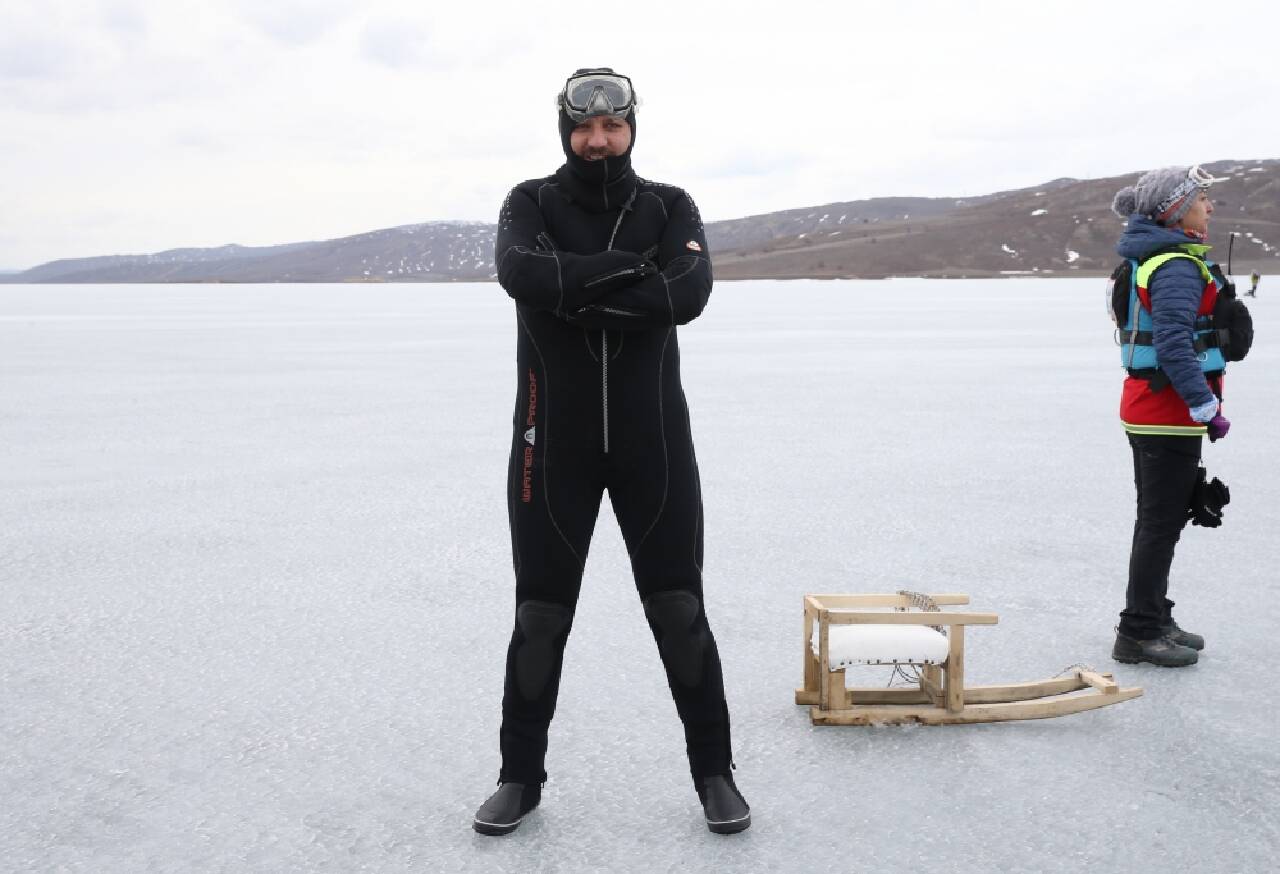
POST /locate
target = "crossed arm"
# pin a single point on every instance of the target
(612, 289)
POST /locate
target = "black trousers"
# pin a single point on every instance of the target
(1164, 473)
(555, 485)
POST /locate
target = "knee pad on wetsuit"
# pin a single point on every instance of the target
(683, 642)
(541, 623)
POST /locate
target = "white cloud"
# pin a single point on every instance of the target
(138, 125)
(397, 43)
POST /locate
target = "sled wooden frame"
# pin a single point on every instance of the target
(941, 697)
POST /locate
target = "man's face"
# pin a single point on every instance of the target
(601, 136)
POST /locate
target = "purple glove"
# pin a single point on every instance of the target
(1218, 426)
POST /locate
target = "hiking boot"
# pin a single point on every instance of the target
(502, 812)
(726, 810)
(1159, 651)
(1182, 638)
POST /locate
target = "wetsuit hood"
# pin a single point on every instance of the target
(596, 186)
(1142, 236)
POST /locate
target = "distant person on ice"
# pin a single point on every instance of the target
(1172, 394)
(603, 266)
(1255, 277)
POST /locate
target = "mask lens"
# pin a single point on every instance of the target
(585, 94)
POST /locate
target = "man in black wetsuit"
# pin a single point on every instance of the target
(603, 266)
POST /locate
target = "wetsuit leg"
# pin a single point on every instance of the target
(657, 498)
(553, 502)
(1164, 474)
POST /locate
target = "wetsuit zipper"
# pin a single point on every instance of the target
(604, 384)
(604, 333)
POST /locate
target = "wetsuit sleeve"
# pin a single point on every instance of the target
(534, 272)
(675, 295)
(1176, 289)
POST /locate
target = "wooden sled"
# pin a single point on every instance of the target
(905, 629)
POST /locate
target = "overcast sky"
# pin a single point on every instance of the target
(131, 126)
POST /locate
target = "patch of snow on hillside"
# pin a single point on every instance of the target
(1256, 170)
(1005, 248)
(1039, 211)
(1039, 194)
(1072, 255)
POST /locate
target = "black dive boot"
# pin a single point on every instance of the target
(1159, 651)
(1180, 637)
(726, 810)
(502, 812)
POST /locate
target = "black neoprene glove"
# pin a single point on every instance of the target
(1207, 501)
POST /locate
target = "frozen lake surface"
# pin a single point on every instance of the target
(256, 588)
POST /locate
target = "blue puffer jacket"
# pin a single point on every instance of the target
(1176, 289)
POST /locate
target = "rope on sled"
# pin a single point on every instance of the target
(906, 673)
(921, 602)
(1078, 666)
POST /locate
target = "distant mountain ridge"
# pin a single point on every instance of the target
(432, 252)
(1064, 226)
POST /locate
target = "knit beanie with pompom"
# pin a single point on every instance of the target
(1164, 195)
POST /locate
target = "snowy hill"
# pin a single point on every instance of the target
(1061, 227)
(432, 252)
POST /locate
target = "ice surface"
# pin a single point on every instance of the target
(257, 588)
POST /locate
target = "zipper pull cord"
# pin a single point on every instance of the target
(604, 333)
(626, 208)
(604, 384)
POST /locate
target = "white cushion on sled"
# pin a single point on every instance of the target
(882, 645)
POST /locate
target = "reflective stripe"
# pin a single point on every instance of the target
(1166, 430)
(1143, 276)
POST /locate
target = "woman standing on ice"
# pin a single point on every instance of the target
(1172, 394)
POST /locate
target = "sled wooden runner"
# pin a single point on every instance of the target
(907, 629)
